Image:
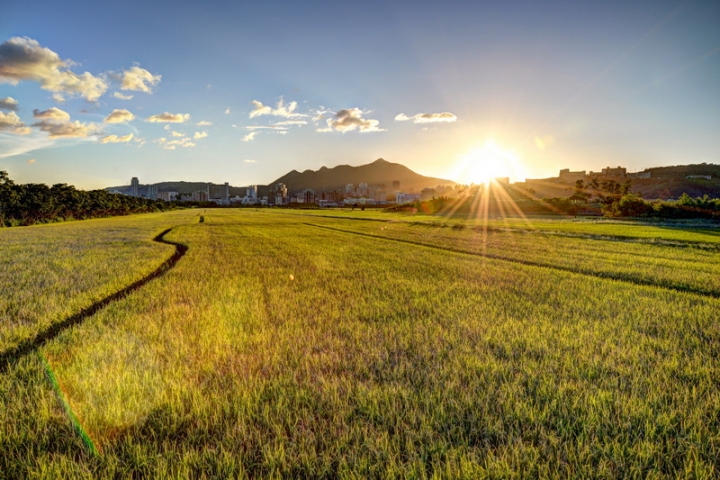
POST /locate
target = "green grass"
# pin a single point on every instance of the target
(49, 272)
(278, 349)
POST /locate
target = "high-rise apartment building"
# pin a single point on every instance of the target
(134, 187)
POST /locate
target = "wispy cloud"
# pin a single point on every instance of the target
(199, 135)
(291, 123)
(247, 160)
(249, 137)
(281, 110)
(444, 117)
(22, 58)
(350, 119)
(264, 127)
(116, 139)
(227, 111)
(31, 161)
(177, 134)
(21, 144)
(121, 96)
(9, 103)
(204, 123)
(169, 118)
(172, 144)
(119, 116)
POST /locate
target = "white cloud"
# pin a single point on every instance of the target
(227, 111)
(349, 119)
(52, 113)
(177, 134)
(199, 135)
(121, 96)
(57, 124)
(116, 139)
(119, 116)
(58, 98)
(172, 144)
(204, 123)
(22, 58)
(9, 103)
(247, 160)
(445, 117)
(138, 79)
(31, 161)
(281, 110)
(10, 122)
(169, 118)
(249, 137)
(67, 129)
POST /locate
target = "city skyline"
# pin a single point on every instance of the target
(247, 93)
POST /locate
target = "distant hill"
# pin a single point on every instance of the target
(180, 187)
(378, 172)
(664, 183)
(672, 182)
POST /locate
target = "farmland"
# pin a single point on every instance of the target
(359, 344)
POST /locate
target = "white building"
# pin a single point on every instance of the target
(403, 198)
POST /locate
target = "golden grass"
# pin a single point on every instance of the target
(379, 358)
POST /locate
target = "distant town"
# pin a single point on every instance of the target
(279, 194)
(361, 194)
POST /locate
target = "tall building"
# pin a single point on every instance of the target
(134, 187)
(152, 192)
(281, 194)
(308, 195)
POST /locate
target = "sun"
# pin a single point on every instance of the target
(487, 162)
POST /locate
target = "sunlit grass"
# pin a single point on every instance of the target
(381, 358)
(49, 272)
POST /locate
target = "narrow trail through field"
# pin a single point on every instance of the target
(580, 271)
(15, 353)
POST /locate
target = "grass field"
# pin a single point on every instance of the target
(288, 344)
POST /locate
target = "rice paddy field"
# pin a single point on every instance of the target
(359, 345)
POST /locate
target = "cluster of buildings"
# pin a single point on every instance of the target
(279, 194)
(609, 172)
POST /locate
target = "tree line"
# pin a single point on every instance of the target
(594, 197)
(31, 203)
(616, 200)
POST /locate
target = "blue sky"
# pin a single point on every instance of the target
(549, 85)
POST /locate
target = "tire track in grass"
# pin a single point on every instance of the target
(579, 271)
(11, 355)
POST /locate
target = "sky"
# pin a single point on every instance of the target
(94, 93)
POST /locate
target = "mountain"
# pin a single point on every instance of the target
(378, 172)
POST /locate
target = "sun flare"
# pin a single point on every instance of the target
(487, 162)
